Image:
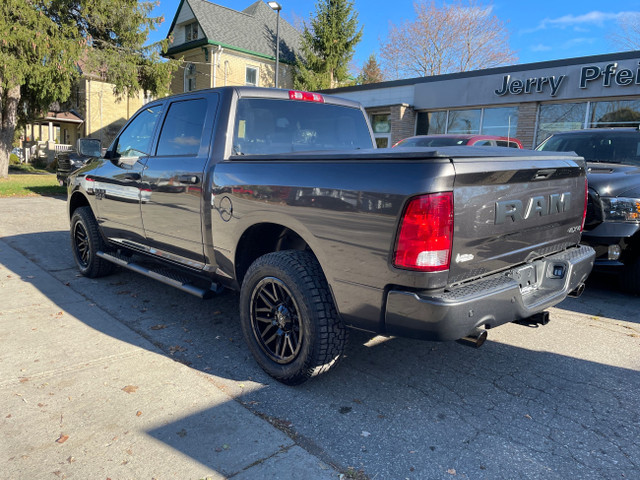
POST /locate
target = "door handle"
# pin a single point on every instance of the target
(188, 179)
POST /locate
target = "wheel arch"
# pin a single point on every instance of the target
(266, 237)
(76, 201)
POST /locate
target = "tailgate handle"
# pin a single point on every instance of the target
(544, 174)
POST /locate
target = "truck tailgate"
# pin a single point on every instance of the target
(508, 212)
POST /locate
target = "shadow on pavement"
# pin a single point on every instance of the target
(395, 408)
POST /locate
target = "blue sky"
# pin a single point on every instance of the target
(540, 30)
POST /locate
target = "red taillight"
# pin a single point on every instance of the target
(426, 233)
(586, 201)
(305, 96)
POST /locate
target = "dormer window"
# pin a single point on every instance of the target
(191, 31)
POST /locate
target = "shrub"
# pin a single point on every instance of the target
(13, 159)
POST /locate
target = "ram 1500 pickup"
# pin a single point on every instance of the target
(282, 195)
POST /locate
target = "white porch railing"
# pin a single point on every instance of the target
(61, 147)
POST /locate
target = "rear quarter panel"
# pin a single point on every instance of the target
(347, 212)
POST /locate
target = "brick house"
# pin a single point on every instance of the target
(92, 110)
(221, 46)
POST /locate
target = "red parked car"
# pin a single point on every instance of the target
(459, 139)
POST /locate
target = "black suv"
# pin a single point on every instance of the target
(71, 160)
(613, 213)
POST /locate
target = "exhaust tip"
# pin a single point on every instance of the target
(578, 291)
(541, 318)
(475, 339)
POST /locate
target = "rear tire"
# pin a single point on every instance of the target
(86, 241)
(288, 317)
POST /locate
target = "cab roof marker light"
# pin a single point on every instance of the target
(305, 96)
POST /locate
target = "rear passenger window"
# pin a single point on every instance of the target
(182, 129)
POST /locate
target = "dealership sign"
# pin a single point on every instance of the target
(607, 75)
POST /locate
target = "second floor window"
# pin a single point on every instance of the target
(191, 31)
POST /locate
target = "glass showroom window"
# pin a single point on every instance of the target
(381, 125)
(464, 121)
(622, 113)
(190, 78)
(560, 117)
(431, 122)
(502, 121)
(251, 77)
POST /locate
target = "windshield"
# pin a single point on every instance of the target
(89, 147)
(431, 142)
(269, 126)
(606, 146)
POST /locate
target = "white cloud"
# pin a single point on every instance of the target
(575, 42)
(579, 22)
(540, 48)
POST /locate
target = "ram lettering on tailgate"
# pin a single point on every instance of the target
(540, 205)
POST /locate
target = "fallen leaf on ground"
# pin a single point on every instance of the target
(160, 326)
(138, 413)
(182, 433)
(62, 438)
(451, 471)
(528, 416)
(130, 389)
(176, 348)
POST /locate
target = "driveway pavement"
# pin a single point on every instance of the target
(556, 402)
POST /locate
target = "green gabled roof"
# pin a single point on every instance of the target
(251, 31)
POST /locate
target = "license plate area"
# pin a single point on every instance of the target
(526, 278)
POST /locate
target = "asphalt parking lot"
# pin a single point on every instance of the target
(555, 402)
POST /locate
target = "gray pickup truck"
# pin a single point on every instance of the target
(282, 195)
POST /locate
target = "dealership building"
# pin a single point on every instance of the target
(529, 101)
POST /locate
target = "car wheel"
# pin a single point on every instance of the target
(630, 277)
(288, 317)
(86, 241)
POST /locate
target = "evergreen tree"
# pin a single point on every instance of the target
(328, 45)
(43, 41)
(371, 72)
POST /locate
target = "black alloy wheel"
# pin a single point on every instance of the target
(81, 244)
(275, 320)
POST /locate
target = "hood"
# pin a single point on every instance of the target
(614, 179)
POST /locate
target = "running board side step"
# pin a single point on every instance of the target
(166, 276)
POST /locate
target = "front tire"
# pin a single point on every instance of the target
(86, 241)
(288, 317)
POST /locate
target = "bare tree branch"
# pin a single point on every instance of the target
(457, 37)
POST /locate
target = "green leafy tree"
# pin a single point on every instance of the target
(42, 43)
(371, 72)
(328, 45)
